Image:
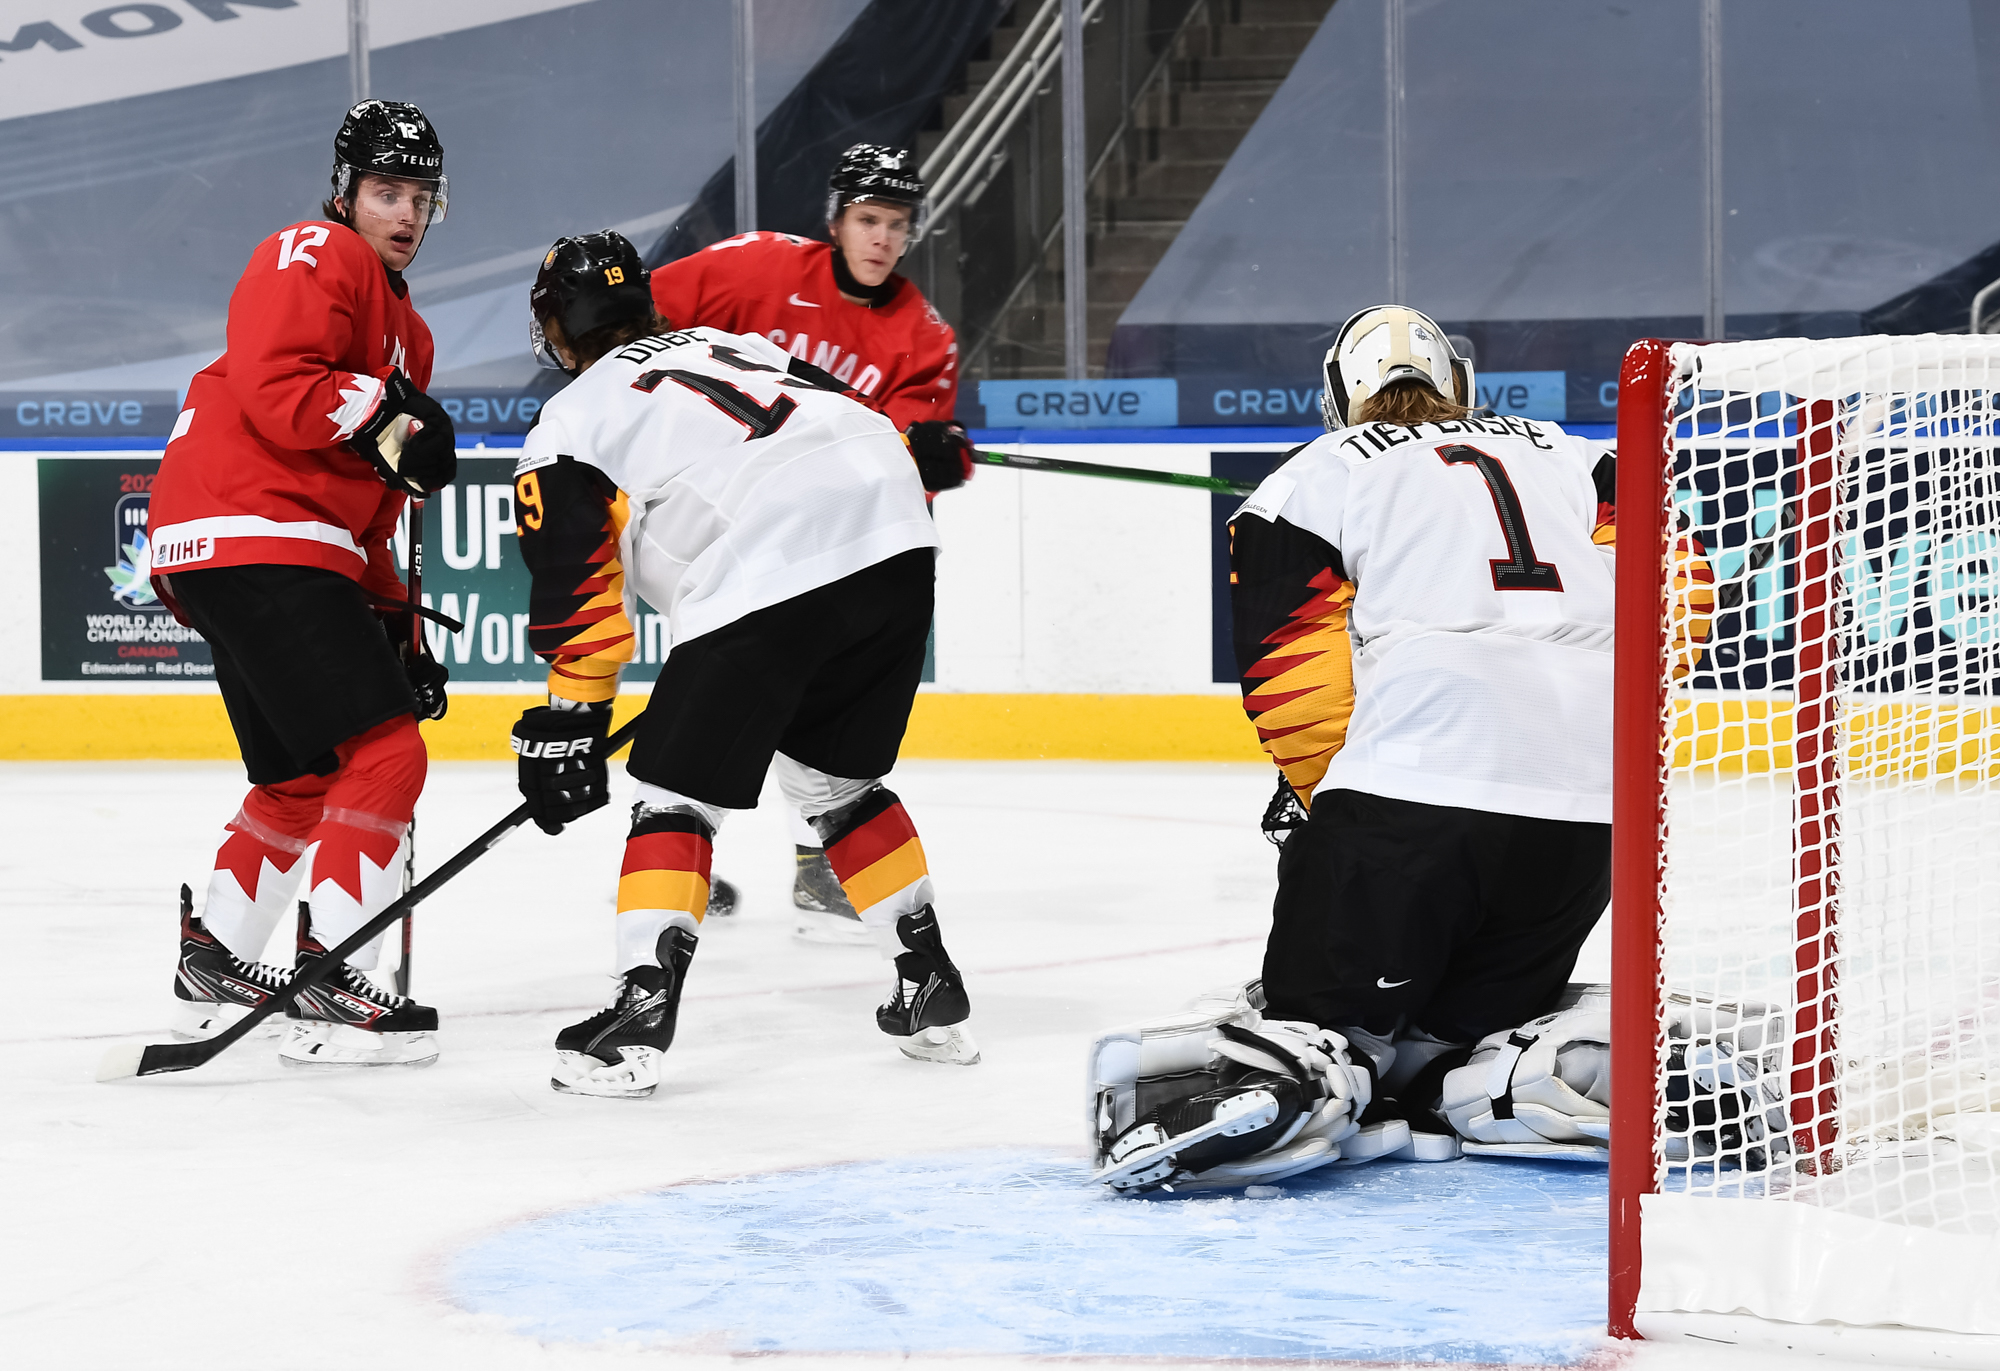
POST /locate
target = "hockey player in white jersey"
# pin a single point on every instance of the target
(781, 528)
(1423, 605)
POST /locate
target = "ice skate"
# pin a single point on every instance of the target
(825, 915)
(348, 1020)
(213, 987)
(927, 1010)
(616, 1052)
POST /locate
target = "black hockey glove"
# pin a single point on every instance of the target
(943, 453)
(427, 680)
(409, 439)
(1284, 814)
(562, 771)
(427, 675)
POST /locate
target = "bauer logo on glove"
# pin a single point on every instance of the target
(562, 774)
(554, 747)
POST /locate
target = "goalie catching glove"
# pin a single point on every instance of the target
(408, 438)
(1218, 1096)
(562, 771)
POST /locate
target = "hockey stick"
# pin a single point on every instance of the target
(1220, 485)
(416, 650)
(153, 1059)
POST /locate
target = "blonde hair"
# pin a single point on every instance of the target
(1407, 402)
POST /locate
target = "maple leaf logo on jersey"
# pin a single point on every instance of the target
(396, 357)
(359, 395)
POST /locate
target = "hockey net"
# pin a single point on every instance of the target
(1807, 871)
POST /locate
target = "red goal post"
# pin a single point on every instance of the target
(1806, 930)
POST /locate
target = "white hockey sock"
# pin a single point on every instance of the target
(638, 935)
(336, 912)
(243, 922)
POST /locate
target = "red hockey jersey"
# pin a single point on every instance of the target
(256, 469)
(901, 357)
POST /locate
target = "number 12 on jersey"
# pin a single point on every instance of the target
(1518, 570)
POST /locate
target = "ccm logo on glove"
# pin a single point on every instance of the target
(554, 747)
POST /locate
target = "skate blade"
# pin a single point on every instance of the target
(947, 1044)
(631, 1078)
(837, 930)
(1149, 1166)
(193, 1021)
(318, 1044)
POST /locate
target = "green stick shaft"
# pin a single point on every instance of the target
(1220, 485)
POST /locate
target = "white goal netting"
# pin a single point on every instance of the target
(1828, 1054)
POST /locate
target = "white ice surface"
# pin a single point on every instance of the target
(245, 1215)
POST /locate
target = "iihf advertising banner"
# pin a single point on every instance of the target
(101, 620)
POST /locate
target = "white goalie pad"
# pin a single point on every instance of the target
(1134, 1070)
(1725, 1080)
(1541, 1090)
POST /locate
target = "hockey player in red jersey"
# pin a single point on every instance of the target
(841, 306)
(781, 528)
(270, 529)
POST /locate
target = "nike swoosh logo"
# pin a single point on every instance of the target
(1391, 985)
(795, 300)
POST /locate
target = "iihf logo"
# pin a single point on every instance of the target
(132, 578)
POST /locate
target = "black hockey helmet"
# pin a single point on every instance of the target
(871, 171)
(586, 282)
(389, 138)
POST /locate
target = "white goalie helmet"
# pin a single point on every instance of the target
(1384, 344)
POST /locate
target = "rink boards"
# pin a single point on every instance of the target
(1077, 617)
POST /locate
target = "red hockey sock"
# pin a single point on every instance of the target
(356, 843)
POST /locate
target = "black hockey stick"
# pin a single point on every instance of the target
(153, 1059)
(416, 650)
(1220, 485)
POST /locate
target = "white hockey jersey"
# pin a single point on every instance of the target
(745, 486)
(1482, 612)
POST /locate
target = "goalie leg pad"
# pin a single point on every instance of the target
(1540, 1090)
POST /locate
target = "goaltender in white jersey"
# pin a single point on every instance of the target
(1423, 608)
(781, 528)
(1480, 627)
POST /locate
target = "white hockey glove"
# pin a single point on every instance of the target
(1540, 1090)
(1217, 1096)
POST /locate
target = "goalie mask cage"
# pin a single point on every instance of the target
(1806, 871)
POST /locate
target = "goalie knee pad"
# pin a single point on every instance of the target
(1218, 1096)
(1540, 1090)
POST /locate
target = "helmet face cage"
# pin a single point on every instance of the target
(836, 201)
(1384, 344)
(346, 178)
